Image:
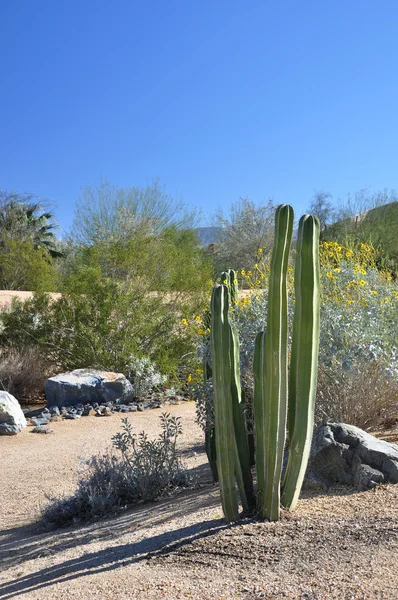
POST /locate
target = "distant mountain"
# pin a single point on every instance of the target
(208, 235)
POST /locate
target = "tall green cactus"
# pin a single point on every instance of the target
(270, 379)
(304, 358)
(270, 408)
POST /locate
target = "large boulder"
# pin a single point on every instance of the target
(84, 386)
(12, 419)
(346, 454)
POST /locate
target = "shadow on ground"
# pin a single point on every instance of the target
(22, 544)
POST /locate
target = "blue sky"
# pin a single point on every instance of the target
(218, 99)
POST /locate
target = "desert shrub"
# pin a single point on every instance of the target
(22, 372)
(144, 471)
(101, 329)
(143, 375)
(361, 395)
(24, 267)
(358, 355)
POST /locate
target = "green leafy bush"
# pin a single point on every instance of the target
(144, 471)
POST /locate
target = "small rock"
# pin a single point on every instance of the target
(140, 407)
(72, 416)
(133, 408)
(41, 429)
(55, 418)
(38, 421)
(107, 411)
(54, 410)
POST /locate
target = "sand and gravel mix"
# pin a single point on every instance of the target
(337, 544)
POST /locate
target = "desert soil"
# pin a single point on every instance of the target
(337, 544)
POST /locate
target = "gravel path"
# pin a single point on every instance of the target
(337, 544)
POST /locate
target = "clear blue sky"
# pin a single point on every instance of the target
(219, 99)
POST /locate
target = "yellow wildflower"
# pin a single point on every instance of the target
(362, 282)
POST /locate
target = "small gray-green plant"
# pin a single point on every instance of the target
(143, 375)
(144, 471)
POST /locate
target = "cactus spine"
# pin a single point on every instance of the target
(271, 407)
(304, 358)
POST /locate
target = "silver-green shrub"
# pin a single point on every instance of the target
(145, 470)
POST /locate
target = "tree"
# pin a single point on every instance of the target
(24, 267)
(322, 208)
(21, 217)
(247, 228)
(27, 244)
(108, 212)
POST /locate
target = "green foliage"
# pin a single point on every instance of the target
(124, 290)
(24, 267)
(27, 244)
(144, 471)
(22, 217)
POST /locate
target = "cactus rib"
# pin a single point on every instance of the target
(224, 425)
(276, 365)
(304, 360)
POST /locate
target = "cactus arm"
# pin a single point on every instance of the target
(259, 414)
(295, 336)
(224, 425)
(233, 286)
(243, 467)
(276, 364)
(303, 374)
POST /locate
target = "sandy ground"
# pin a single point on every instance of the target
(337, 544)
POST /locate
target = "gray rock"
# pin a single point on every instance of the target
(39, 421)
(366, 477)
(54, 411)
(346, 454)
(12, 419)
(84, 386)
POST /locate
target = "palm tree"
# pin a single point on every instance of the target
(21, 216)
